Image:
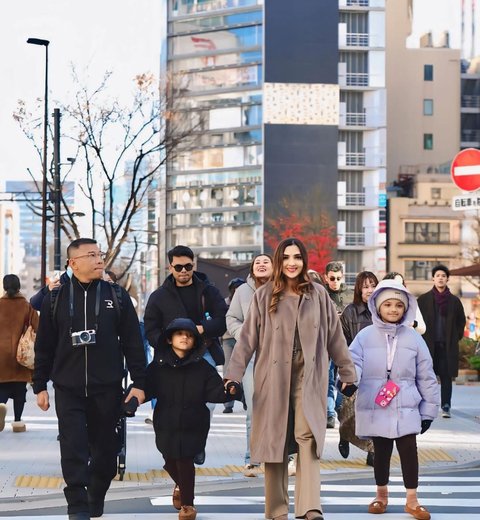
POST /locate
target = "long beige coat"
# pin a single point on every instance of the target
(271, 336)
(15, 313)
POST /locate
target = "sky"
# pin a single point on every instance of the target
(99, 35)
(122, 36)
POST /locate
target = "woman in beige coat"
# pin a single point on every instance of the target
(292, 328)
(15, 314)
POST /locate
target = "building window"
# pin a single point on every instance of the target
(420, 269)
(436, 193)
(428, 107)
(427, 232)
(428, 141)
(428, 72)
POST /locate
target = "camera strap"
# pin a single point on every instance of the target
(71, 307)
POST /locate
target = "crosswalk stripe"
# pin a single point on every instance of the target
(246, 516)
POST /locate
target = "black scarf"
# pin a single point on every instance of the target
(441, 299)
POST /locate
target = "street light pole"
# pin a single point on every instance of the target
(57, 190)
(43, 260)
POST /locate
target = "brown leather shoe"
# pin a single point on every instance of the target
(177, 504)
(420, 513)
(187, 513)
(314, 515)
(377, 507)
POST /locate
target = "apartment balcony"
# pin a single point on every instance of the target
(355, 199)
(470, 138)
(355, 119)
(369, 238)
(361, 3)
(355, 159)
(357, 79)
(358, 40)
(471, 101)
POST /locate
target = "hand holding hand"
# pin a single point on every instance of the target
(426, 423)
(136, 392)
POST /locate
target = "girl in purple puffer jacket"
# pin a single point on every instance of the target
(398, 395)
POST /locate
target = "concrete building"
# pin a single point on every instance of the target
(424, 231)
(290, 97)
(423, 86)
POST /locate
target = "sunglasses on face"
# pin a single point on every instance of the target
(333, 278)
(180, 267)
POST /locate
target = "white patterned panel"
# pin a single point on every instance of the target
(301, 104)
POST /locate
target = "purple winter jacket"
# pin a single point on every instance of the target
(412, 370)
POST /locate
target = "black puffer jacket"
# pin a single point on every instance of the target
(353, 319)
(165, 304)
(88, 369)
(182, 388)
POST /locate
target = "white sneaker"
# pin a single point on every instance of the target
(3, 414)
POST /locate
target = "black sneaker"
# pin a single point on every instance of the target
(331, 422)
(446, 411)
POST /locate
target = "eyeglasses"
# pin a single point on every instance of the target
(180, 267)
(333, 278)
(91, 256)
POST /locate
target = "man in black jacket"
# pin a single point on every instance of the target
(186, 293)
(81, 343)
(445, 320)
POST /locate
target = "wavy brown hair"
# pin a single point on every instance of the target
(303, 283)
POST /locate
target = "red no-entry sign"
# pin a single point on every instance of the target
(465, 169)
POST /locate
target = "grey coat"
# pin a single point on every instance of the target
(271, 336)
(238, 310)
(412, 370)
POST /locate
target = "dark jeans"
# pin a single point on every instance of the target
(407, 449)
(89, 444)
(446, 390)
(16, 391)
(182, 472)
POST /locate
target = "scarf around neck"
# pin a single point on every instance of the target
(441, 299)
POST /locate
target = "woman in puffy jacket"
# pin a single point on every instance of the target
(398, 394)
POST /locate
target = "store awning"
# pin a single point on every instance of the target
(469, 270)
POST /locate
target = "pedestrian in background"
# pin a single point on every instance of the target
(16, 314)
(397, 390)
(445, 320)
(341, 296)
(183, 382)
(293, 328)
(354, 318)
(82, 343)
(228, 341)
(261, 270)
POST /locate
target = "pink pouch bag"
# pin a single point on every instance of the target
(388, 391)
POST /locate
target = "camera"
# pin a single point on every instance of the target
(84, 337)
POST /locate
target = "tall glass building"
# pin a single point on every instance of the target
(289, 99)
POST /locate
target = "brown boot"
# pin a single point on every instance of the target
(187, 513)
(18, 427)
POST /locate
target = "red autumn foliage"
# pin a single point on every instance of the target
(321, 243)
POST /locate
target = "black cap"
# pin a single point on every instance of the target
(181, 324)
(235, 282)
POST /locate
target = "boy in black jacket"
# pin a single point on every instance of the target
(183, 382)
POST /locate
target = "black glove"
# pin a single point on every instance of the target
(425, 425)
(348, 391)
(237, 396)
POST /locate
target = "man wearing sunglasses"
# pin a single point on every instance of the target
(341, 296)
(187, 293)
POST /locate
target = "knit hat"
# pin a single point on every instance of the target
(391, 294)
(182, 324)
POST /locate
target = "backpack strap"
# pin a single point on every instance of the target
(117, 298)
(54, 293)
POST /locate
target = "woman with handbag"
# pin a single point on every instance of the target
(16, 315)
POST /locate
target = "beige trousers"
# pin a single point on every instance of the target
(307, 480)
